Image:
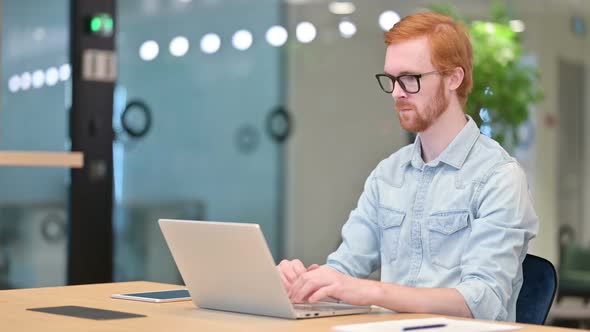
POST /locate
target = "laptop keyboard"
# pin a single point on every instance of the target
(319, 307)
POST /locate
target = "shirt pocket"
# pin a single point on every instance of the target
(390, 222)
(448, 231)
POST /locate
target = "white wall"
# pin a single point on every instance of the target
(344, 125)
(549, 37)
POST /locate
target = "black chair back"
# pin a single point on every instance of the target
(537, 292)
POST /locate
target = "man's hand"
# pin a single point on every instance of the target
(317, 283)
(325, 282)
(291, 270)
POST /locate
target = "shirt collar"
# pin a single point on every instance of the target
(456, 153)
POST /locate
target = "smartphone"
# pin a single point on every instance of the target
(158, 296)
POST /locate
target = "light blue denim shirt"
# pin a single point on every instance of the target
(462, 221)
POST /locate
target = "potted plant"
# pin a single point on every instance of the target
(504, 88)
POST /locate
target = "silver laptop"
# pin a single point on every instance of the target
(228, 266)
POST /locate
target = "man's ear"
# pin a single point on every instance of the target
(455, 79)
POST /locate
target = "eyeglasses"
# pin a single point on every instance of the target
(410, 83)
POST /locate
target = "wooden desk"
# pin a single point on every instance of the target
(176, 316)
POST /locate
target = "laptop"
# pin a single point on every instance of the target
(228, 266)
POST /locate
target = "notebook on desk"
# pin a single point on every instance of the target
(434, 324)
(228, 266)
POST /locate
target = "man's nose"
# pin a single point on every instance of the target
(398, 92)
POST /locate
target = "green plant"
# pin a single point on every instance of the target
(504, 88)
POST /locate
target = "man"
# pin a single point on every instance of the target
(448, 218)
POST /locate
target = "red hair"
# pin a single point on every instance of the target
(448, 40)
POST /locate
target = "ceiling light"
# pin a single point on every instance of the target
(51, 76)
(387, 19)
(347, 29)
(242, 40)
(38, 79)
(25, 81)
(210, 43)
(149, 50)
(14, 83)
(341, 7)
(179, 46)
(64, 72)
(306, 32)
(276, 36)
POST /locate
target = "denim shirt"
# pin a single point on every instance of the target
(461, 221)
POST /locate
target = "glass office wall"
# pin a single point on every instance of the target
(199, 82)
(208, 152)
(34, 113)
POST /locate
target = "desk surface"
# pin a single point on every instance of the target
(175, 316)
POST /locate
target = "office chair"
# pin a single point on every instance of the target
(537, 292)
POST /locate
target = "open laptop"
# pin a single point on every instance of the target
(228, 266)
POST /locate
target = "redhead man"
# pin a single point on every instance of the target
(448, 218)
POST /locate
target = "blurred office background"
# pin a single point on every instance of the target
(261, 111)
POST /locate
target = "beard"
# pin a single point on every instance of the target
(415, 121)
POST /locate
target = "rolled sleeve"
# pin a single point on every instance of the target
(491, 274)
(481, 300)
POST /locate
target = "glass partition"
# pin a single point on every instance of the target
(197, 85)
(34, 117)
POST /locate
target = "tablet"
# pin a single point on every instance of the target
(158, 296)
